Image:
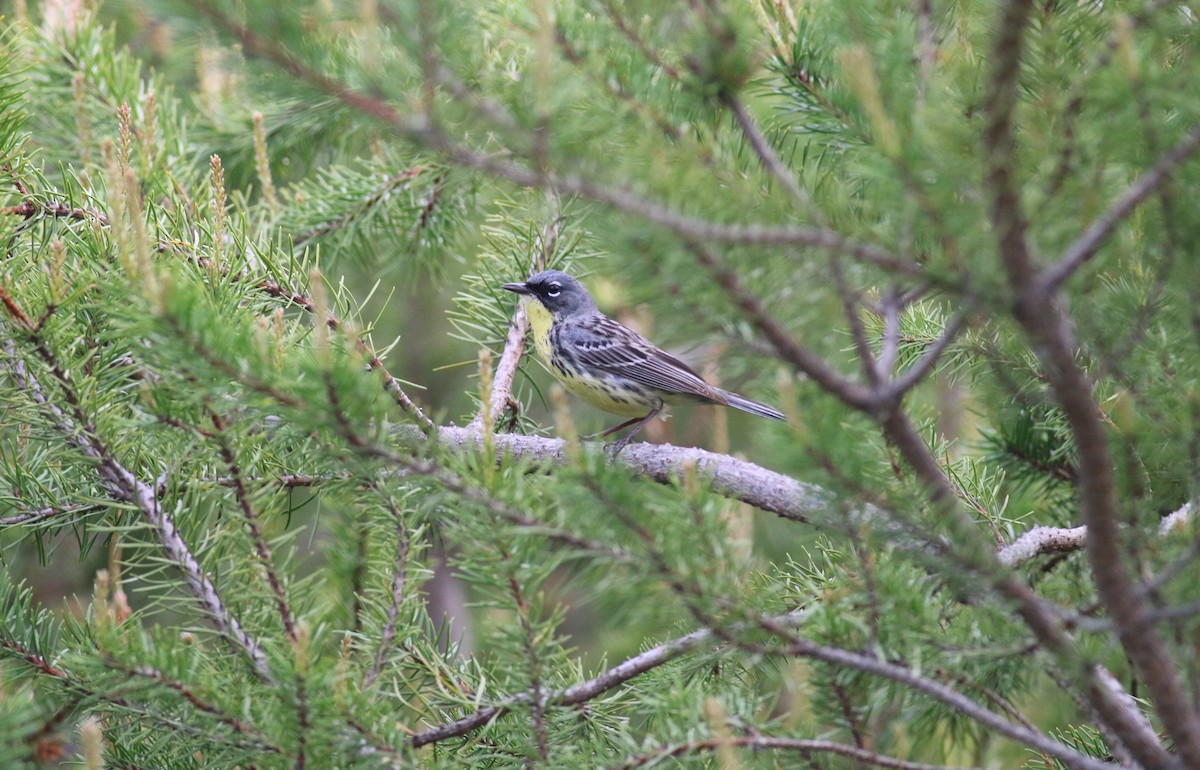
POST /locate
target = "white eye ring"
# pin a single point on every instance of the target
(554, 290)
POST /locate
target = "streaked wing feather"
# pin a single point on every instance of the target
(603, 343)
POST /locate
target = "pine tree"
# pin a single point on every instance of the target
(268, 412)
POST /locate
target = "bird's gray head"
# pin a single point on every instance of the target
(560, 293)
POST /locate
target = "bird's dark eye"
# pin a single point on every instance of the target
(554, 290)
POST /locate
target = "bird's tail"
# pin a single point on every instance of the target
(751, 406)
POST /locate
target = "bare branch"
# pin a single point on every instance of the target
(1042, 540)
(727, 476)
(68, 515)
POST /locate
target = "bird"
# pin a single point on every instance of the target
(609, 365)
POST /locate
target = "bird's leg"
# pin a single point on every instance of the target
(618, 445)
(611, 431)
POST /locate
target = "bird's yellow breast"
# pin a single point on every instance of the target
(540, 322)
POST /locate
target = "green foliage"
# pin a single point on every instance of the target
(1086, 739)
(228, 539)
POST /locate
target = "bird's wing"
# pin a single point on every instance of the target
(604, 344)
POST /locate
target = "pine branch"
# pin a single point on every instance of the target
(803, 747)
(580, 693)
(897, 427)
(424, 131)
(30, 209)
(68, 514)
(1041, 318)
(273, 288)
(364, 207)
(766, 153)
(267, 286)
(195, 699)
(640, 43)
(123, 485)
(851, 393)
(909, 677)
(781, 626)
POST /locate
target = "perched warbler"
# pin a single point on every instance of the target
(608, 365)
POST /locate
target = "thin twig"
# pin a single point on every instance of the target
(399, 588)
(917, 372)
(851, 393)
(618, 19)
(262, 549)
(537, 701)
(32, 208)
(36, 516)
(514, 342)
(926, 45)
(766, 153)
(871, 368)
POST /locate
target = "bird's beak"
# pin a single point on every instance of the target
(517, 288)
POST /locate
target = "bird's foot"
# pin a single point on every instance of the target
(614, 449)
